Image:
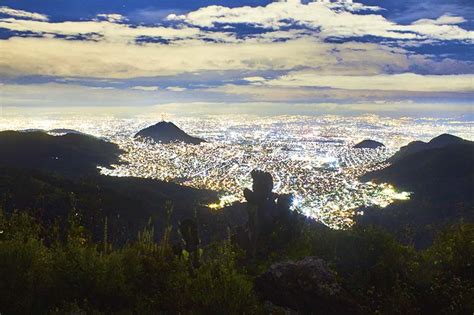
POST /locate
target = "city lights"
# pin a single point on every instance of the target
(309, 157)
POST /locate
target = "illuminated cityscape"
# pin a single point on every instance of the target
(310, 157)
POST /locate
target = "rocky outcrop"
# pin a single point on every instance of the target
(306, 286)
(264, 207)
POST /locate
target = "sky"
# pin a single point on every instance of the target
(292, 56)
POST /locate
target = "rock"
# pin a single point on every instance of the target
(262, 208)
(307, 285)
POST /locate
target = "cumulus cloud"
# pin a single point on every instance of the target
(114, 18)
(23, 14)
(98, 30)
(328, 19)
(286, 20)
(275, 15)
(445, 19)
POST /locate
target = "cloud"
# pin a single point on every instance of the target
(314, 94)
(149, 15)
(60, 95)
(326, 18)
(270, 108)
(260, 99)
(145, 88)
(98, 30)
(283, 20)
(114, 18)
(23, 14)
(445, 19)
(382, 82)
(282, 52)
(254, 79)
(176, 88)
(60, 57)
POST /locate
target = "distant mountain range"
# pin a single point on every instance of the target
(167, 132)
(440, 174)
(368, 144)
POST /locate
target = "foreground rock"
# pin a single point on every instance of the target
(306, 286)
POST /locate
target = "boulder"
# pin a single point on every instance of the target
(307, 285)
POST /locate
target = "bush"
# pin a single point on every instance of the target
(76, 275)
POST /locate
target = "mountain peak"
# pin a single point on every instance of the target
(438, 142)
(445, 139)
(368, 144)
(167, 132)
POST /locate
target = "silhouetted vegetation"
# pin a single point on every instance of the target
(96, 244)
(75, 274)
(41, 272)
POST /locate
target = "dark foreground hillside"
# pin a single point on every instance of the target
(127, 203)
(47, 176)
(280, 264)
(441, 177)
(71, 154)
(99, 245)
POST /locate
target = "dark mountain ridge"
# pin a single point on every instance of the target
(127, 202)
(48, 175)
(418, 146)
(440, 174)
(70, 154)
(167, 132)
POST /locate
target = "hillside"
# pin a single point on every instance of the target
(441, 177)
(368, 144)
(48, 176)
(419, 146)
(70, 154)
(128, 203)
(167, 132)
